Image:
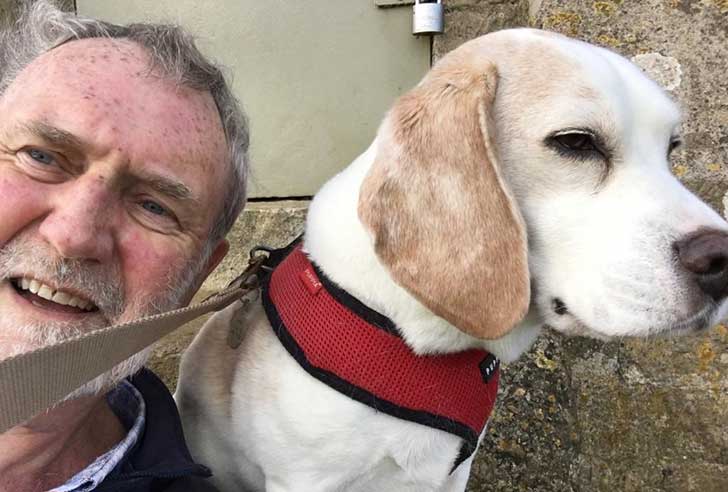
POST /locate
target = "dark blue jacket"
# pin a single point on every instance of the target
(160, 460)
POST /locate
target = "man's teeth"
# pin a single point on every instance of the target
(57, 296)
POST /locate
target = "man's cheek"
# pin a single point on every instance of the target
(20, 206)
(149, 267)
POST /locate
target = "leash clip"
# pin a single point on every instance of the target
(258, 257)
(259, 252)
(249, 279)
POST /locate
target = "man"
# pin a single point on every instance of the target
(123, 160)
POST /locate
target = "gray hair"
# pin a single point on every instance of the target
(41, 26)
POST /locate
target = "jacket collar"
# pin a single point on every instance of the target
(160, 451)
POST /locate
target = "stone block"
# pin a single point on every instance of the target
(272, 224)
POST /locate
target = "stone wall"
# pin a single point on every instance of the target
(576, 414)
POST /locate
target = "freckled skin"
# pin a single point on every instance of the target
(130, 121)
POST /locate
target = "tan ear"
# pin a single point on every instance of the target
(443, 220)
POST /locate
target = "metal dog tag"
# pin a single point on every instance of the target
(428, 18)
(238, 320)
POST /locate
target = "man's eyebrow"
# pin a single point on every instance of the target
(167, 186)
(52, 134)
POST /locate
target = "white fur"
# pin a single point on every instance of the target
(602, 246)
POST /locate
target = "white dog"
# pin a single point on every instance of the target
(525, 181)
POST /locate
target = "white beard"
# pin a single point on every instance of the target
(105, 290)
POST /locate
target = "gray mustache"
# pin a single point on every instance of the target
(101, 284)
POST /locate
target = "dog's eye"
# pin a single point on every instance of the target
(674, 144)
(576, 141)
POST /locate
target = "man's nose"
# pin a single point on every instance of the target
(78, 224)
(705, 255)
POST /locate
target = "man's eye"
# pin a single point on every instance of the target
(41, 156)
(154, 207)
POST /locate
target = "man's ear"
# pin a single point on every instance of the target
(443, 220)
(220, 251)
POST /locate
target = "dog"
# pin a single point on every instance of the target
(525, 181)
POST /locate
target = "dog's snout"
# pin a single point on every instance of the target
(705, 255)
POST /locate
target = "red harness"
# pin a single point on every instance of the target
(360, 353)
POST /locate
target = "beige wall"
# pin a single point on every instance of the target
(315, 76)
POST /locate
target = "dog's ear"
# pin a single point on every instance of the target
(443, 220)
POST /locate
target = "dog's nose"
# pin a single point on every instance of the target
(705, 255)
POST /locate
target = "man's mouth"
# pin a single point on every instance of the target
(46, 296)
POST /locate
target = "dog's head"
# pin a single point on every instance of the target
(531, 171)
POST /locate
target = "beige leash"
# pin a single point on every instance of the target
(32, 382)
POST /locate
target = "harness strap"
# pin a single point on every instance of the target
(360, 353)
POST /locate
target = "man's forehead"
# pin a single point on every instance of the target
(103, 92)
(114, 77)
(115, 55)
(119, 48)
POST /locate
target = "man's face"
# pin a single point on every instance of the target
(111, 178)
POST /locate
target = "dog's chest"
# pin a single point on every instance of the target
(359, 353)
